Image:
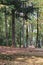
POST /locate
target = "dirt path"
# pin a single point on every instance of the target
(21, 60)
(21, 51)
(24, 61)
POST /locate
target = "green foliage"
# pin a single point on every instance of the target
(15, 4)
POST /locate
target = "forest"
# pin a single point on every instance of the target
(21, 31)
(21, 23)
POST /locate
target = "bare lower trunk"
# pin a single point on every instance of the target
(37, 30)
(13, 28)
(23, 33)
(20, 38)
(6, 29)
(27, 36)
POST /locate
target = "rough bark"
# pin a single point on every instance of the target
(13, 28)
(27, 37)
(6, 29)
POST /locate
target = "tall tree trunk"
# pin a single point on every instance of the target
(23, 34)
(37, 39)
(23, 27)
(37, 30)
(13, 28)
(6, 29)
(27, 36)
(20, 38)
(32, 33)
(37, 34)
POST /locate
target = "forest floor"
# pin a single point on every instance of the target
(23, 61)
(23, 56)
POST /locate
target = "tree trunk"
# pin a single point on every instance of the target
(32, 33)
(20, 38)
(37, 39)
(23, 34)
(13, 28)
(37, 30)
(27, 36)
(6, 29)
